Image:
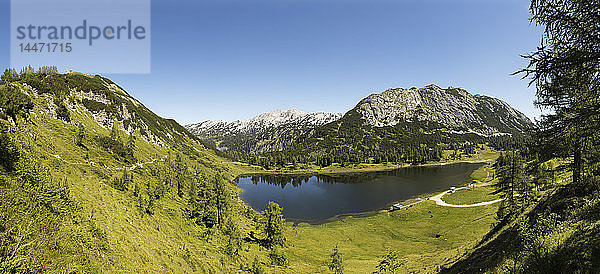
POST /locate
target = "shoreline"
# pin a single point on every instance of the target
(414, 200)
(379, 167)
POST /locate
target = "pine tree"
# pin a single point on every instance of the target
(151, 199)
(221, 197)
(130, 147)
(80, 134)
(565, 71)
(9, 75)
(193, 203)
(179, 172)
(272, 225)
(337, 261)
(234, 243)
(512, 184)
(114, 133)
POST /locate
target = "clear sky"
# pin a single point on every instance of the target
(229, 60)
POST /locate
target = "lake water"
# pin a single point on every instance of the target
(321, 197)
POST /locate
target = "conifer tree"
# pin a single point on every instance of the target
(512, 183)
(337, 261)
(565, 71)
(80, 134)
(272, 225)
(221, 196)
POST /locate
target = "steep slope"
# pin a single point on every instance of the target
(93, 181)
(269, 131)
(556, 232)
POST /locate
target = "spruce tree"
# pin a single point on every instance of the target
(80, 134)
(337, 261)
(221, 197)
(272, 225)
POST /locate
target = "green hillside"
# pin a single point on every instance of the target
(91, 180)
(548, 223)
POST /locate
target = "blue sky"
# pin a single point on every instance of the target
(235, 59)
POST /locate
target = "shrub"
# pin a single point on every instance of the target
(9, 153)
(278, 257)
(14, 102)
(61, 111)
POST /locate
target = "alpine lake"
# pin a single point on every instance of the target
(322, 198)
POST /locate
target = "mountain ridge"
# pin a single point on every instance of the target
(267, 131)
(433, 113)
(436, 104)
(87, 171)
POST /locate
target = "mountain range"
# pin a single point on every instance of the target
(269, 131)
(451, 113)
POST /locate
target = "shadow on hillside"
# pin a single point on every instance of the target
(576, 208)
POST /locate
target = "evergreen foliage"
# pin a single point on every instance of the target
(565, 71)
(337, 261)
(80, 134)
(271, 224)
(13, 102)
(278, 257)
(389, 264)
(556, 230)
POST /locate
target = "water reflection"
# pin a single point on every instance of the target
(318, 197)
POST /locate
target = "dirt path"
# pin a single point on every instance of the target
(134, 166)
(438, 200)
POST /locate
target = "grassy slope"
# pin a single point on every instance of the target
(475, 195)
(425, 236)
(164, 241)
(484, 178)
(558, 233)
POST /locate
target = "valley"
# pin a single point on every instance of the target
(98, 175)
(132, 178)
(130, 191)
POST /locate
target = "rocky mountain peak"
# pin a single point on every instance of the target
(453, 108)
(268, 131)
(278, 116)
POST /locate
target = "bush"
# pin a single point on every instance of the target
(256, 267)
(93, 105)
(61, 111)
(278, 257)
(9, 153)
(123, 182)
(14, 102)
(116, 146)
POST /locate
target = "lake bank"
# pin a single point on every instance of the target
(326, 197)
(426, 236)
(357, 169)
